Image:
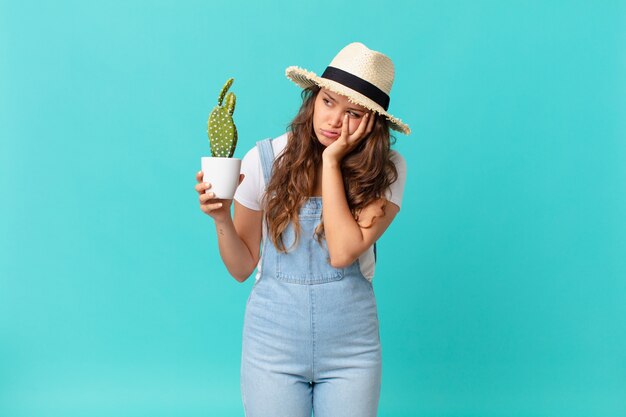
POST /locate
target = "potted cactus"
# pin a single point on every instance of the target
(221, 169)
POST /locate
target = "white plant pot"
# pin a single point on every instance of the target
(222, 174)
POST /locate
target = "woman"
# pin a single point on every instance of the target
(311, 336)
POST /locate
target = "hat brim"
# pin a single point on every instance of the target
(307, 79)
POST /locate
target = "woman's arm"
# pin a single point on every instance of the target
(239, 239)
(347, 239)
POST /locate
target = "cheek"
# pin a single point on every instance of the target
(318, 113)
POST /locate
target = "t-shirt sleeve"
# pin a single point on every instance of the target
(249, 191)
(396, 190)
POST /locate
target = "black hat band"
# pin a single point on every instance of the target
(366, 88)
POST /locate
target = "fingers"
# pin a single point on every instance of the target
(370, 123)
(367, 118)
(207, 208)
(201, 187)
(206, 197)
(360, 131)
(344, 127)
(208, 202)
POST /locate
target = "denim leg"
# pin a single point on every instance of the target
(276, 351)
(271, 394)
(353, 393)
(347, 371)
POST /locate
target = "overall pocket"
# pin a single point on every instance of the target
(308, 262)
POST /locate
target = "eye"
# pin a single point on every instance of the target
(352, 114)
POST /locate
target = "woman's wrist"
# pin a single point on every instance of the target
(221, 222)
(330, 161)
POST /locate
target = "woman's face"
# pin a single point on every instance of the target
(328, 114)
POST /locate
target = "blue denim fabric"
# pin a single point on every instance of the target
(310, 338)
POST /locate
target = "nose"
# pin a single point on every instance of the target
(336, 119)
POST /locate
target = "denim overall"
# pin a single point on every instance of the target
(310, 336)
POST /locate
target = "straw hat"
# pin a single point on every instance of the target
(362, 75)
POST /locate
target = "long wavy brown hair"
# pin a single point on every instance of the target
(367, 172)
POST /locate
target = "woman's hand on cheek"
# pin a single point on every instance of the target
(348, 141)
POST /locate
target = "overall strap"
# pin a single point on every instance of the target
(266, 153)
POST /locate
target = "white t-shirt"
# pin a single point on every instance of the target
(250, 193)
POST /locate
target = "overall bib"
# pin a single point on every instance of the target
(310, 336)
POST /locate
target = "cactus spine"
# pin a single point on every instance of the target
(221, 126)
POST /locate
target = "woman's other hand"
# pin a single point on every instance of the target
(218, 209)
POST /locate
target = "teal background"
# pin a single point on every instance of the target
(501, 285)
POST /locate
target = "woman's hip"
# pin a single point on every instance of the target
(333, 314)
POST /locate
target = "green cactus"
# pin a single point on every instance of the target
(221, 126)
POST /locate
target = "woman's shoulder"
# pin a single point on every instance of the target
(249, 192)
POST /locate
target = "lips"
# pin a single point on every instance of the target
(329, 135)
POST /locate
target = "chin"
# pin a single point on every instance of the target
(323, 140)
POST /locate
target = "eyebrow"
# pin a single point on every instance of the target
(351, 108)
